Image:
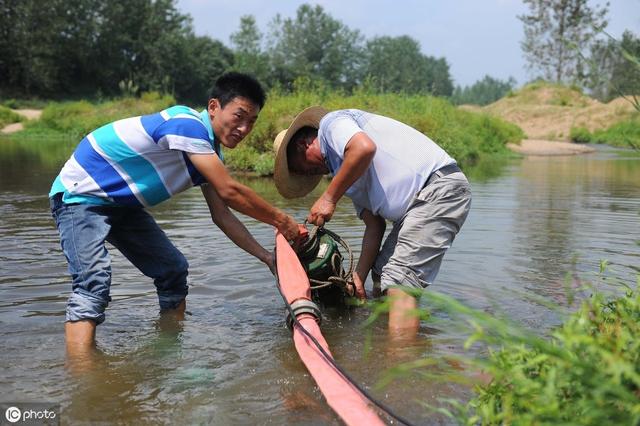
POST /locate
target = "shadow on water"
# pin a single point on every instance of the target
(231, 361)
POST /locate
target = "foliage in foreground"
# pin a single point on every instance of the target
(587, 372)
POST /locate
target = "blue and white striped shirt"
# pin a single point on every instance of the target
(138, 161)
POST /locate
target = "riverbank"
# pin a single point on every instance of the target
(468, 137)
(551, 112)
(538, 147)
(29, 114)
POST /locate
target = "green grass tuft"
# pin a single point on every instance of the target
(625, 134)
(8, 117)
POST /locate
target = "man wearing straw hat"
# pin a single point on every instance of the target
(391, 172)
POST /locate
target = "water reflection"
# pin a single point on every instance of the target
(232, 361)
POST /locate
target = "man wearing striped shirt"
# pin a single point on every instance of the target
(121, 168)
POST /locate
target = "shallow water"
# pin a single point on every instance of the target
(231, 361)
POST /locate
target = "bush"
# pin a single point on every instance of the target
(465, 135)
(624, 134)
(7, 116)
(586, 372)
(580, 135)
(76, 119)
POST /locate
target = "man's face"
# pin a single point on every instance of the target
(233, 122)
(307, 158)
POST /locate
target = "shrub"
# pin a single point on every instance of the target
(465, 135)
(584, 372)
(587, 373)
(580, 135)
(7, 116)
(76, 119)
(623, 134)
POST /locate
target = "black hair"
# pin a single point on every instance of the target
(294, 147)
(234, 84)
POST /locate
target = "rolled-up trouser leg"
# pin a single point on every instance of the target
(413, 251)
(83, 230)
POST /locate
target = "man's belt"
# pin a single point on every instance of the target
(442, 171)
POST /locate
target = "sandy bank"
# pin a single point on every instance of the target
(30, 114)
(547, 148)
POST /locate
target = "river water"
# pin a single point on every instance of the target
(231, 361)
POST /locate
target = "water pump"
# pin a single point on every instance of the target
(322, 261)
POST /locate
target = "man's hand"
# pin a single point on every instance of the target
(359, 287)
(321, 211)
(289, 228)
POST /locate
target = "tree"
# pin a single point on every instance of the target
(248, 53)
(38, 43)
(396, 64)
(483, 92)
(625, 76)
(555, 32)
(316, 46)
(206, 60)
(612, 71)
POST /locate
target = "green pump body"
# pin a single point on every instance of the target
(321, 259)
(327, 260)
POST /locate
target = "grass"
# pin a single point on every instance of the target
(584, 372)
(549, 111)
(8, 117)
(624, 134)
(76, 119)
(27, 103)
(468, 137)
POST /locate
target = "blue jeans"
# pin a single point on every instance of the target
(84, 228)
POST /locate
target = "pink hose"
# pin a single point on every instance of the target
(340, 394)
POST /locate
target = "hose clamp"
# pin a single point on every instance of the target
(303, 306)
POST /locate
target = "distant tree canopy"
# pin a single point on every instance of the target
(73, 48)
(615, 67)
(555, 32)
(566, 42)
(483, 92)
(396, 64)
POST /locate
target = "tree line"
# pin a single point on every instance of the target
(89, 48)
(94, 48)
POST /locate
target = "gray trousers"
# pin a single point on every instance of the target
(412, 253)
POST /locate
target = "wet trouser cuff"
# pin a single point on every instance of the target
(173, 299)
(83, 306)
(397, 278)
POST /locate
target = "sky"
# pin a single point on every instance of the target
(477, 37)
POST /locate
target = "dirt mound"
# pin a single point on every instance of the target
(546, 111)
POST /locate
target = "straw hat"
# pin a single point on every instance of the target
(292, 185)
